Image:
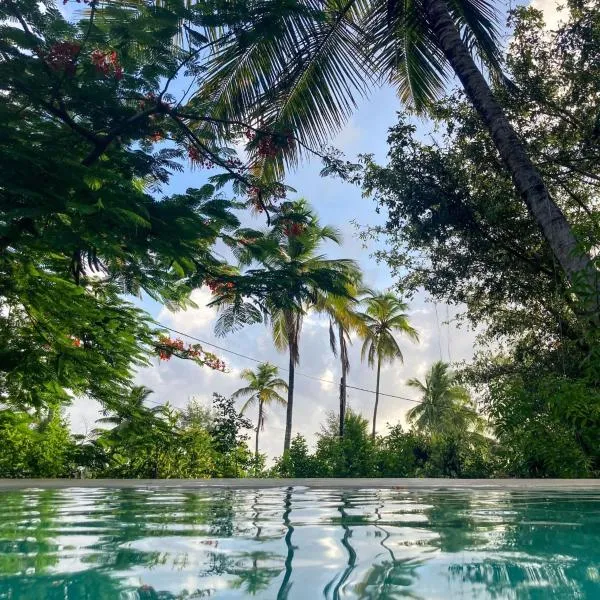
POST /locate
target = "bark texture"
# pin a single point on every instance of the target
(258, 428)
(345, 364)
(376, 398)
(290, 404)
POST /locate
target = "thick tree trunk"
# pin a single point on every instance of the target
(258, 426)
(290, 404)
(528, 181)
(376, 398)
(344, 360)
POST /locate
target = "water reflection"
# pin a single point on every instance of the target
(298, 544)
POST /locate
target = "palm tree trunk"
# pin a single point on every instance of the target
(376, 396)
(258, 425)
(344, 359)
(290, 404)
(342, 403)
(528, 181)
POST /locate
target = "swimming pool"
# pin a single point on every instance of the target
(127, 544)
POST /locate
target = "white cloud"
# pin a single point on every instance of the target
(192, 320)
(552, 16)
(328, 376)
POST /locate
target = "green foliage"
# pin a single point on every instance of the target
(301, 66)
(263, 389)
(445, 406)
(349, 456)
(398, 454)
(35, 446)
(228, 438)
(384, 316)
(546, 426)
(297, 461)
(92, 134)
(402, 454)
(457, 229)
(297, 278)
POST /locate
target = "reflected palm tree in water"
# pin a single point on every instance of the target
(286, 584)
(390, 578)
(346, 543)
(505, 546)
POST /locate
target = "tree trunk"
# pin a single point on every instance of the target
(528, 181)
(290, 404)
(258, 426)
(376, 397)
(344, 359)
(342, 405)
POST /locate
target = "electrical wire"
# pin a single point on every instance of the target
(256, 360)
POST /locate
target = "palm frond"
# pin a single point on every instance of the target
(293, 66)
(250, 402)
(243, 392)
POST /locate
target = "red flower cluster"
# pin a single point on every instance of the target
(269, 145)
(214, 363)
(254, 196)
(233, 163)
(147, 98)
(198, 159)
(107, 62)
(167, 347)
(62, 56)
(217, 287)
(279, 193)
(76, 342)
(293, 229)
(157, 136)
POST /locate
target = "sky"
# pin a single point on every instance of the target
(339, 204)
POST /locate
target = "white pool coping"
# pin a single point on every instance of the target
(565, 485)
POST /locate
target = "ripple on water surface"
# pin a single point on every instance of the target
(98, 544)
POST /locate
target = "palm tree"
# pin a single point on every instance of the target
(131, 414)
(446, 406)
(300, 65)
(383, 317)
(262, 388)
(343, 321)
(296, 278)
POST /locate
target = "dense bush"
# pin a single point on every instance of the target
(398, 454)
(35, 445)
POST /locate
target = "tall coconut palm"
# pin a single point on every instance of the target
(344, 320)
(299, 67)
(384, 317)
(298, 247)
(296, 278)
(446, 406)
(263, 388)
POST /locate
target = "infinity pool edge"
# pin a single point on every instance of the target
(249, 483)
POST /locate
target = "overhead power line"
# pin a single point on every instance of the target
(256, 360)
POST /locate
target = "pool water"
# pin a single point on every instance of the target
(101, 544)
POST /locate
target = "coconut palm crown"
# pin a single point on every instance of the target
(297, 69)
(384, 317)
(262, 389)
(446, 407)
(297, 279)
